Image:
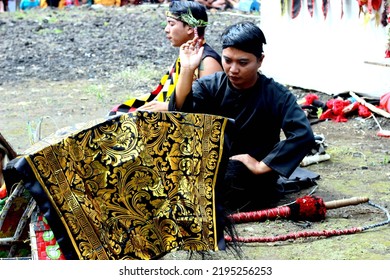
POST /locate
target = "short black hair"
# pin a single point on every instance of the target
(245, 36)
(198, 11)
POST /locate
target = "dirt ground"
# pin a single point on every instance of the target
(59, 68)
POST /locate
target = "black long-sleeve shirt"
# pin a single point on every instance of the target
(260, 114)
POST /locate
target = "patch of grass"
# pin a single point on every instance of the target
(386, 159)
(357, 158)
(139, 75)
(19, 14)
(57, 31)
(138, 80)
(99, 91)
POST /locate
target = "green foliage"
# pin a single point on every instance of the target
(47, 31)
(386, 159)
(193, 22)
(141, 74)
(99, 91)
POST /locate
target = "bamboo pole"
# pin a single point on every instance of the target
(370, 106)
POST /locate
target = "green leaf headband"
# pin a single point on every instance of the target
(188, 18)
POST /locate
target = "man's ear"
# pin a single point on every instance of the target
(190, 30)
(260, 59)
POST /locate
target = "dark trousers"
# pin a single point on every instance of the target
(243, 191)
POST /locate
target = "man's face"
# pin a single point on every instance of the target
(241, 67)
(177, 32)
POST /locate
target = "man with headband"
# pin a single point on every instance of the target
(185, 21)
(261, 109)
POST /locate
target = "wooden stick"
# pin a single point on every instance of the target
(370, 106)
(377, 63)
(345, 202)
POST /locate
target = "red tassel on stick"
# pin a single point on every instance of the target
(308, 208)
(262, 215)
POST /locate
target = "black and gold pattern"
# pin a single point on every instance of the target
(135, 186)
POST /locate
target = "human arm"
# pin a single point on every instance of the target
(190, 57)
(298, 138)
(208, 66)
(154, 106)
(256, 167)
(277, 113)
(206, 3)
(218, 4)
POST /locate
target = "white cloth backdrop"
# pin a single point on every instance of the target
(326, 54)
